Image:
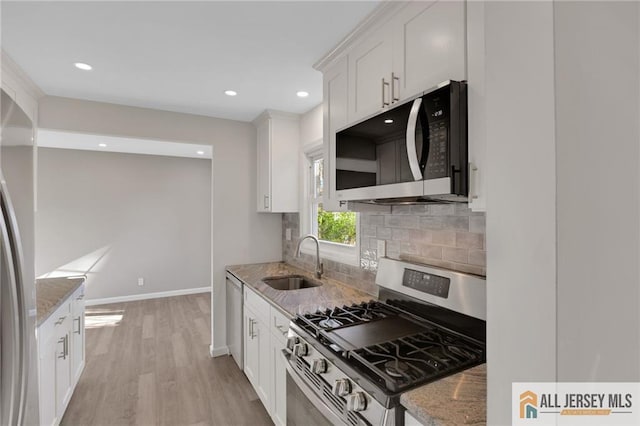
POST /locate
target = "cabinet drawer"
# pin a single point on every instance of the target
(279, 324)
(56, 320)
(261, 307)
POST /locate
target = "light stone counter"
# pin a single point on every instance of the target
(291, 302)
(460, 399)
(51, 292)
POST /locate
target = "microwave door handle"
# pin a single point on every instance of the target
(426, 140)
(412, 153)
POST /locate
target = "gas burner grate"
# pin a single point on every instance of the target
(403, 363)
(338, 317)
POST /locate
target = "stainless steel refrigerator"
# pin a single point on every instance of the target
(18, 350)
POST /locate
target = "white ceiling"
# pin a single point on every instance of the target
(180, 56)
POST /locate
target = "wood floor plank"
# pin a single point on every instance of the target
(152, 367)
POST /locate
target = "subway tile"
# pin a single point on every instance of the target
(453, 254)
(443, 238)
(383, 233)
(458, 223)
(399, 234)
(469, 240)
(441, 209)
(477, 224)
(409, 247)
(420, 209)
(401, 221)
(401, 210)
(368, 231)
(376, 220)
(431, 252)
(478, 257)
(420, 236)
(462, 209)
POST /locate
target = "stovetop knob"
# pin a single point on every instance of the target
(341, 387)
(291, 342)
(300, 349)
(357, 401)
(319, 366)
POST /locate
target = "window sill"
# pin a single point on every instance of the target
(340, 253)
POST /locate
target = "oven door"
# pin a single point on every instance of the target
(304, 407)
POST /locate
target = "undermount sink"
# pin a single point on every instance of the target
(291, 282)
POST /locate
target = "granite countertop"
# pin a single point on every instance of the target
(460, 399)
(291, 302)
(51, 292)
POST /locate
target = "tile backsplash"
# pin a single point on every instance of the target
(445, 235)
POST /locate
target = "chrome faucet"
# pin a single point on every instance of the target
(319, 266)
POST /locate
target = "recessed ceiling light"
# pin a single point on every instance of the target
(230, 92)
(82, 66)
(102, 145)
(388, 121)
(200, 152)
(302, 94)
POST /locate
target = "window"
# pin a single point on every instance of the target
(337, 231)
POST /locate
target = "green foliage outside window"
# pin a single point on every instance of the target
(337, 227)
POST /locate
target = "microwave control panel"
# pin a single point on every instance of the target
(436, 110)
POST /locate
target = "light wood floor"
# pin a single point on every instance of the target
(148, 363)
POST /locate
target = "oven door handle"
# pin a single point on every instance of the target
(412, 149)
(311, 395)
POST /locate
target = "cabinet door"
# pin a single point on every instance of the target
(77, 336)
(429, 46)
(264, 166)
(370, 65)
(62, 366)
(251, 347)
(279, 369)
(476, 94)
(47, 374)
(265, 368)
(334, 117)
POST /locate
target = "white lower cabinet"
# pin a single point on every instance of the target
(60, 357)
(265, 330)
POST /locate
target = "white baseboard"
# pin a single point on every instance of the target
(215, 352)
(145, 296)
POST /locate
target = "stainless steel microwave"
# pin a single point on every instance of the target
(415, 152)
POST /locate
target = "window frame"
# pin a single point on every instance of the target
(329, 250)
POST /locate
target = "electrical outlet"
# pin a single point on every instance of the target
(382, 248)
(287, 233)
(140, 282)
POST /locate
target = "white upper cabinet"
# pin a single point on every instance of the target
(277, 162)
(370, 68)
(421, 46)
(335, 104)
(476, 94)
(428, 46)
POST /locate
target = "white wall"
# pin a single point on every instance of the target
(598, 162)
(117, 217)
(521, 224)
(240, 235)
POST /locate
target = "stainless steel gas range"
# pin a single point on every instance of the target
(349, 365)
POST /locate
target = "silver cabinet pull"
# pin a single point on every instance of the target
(79, 323)
(411, 140)
(283, 330)
(60, 320)
(394, 78)
(266, 201)
(473, 169)
(64, 353)
(80, 297)
(384, 83)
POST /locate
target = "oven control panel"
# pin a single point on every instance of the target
(426, 283)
